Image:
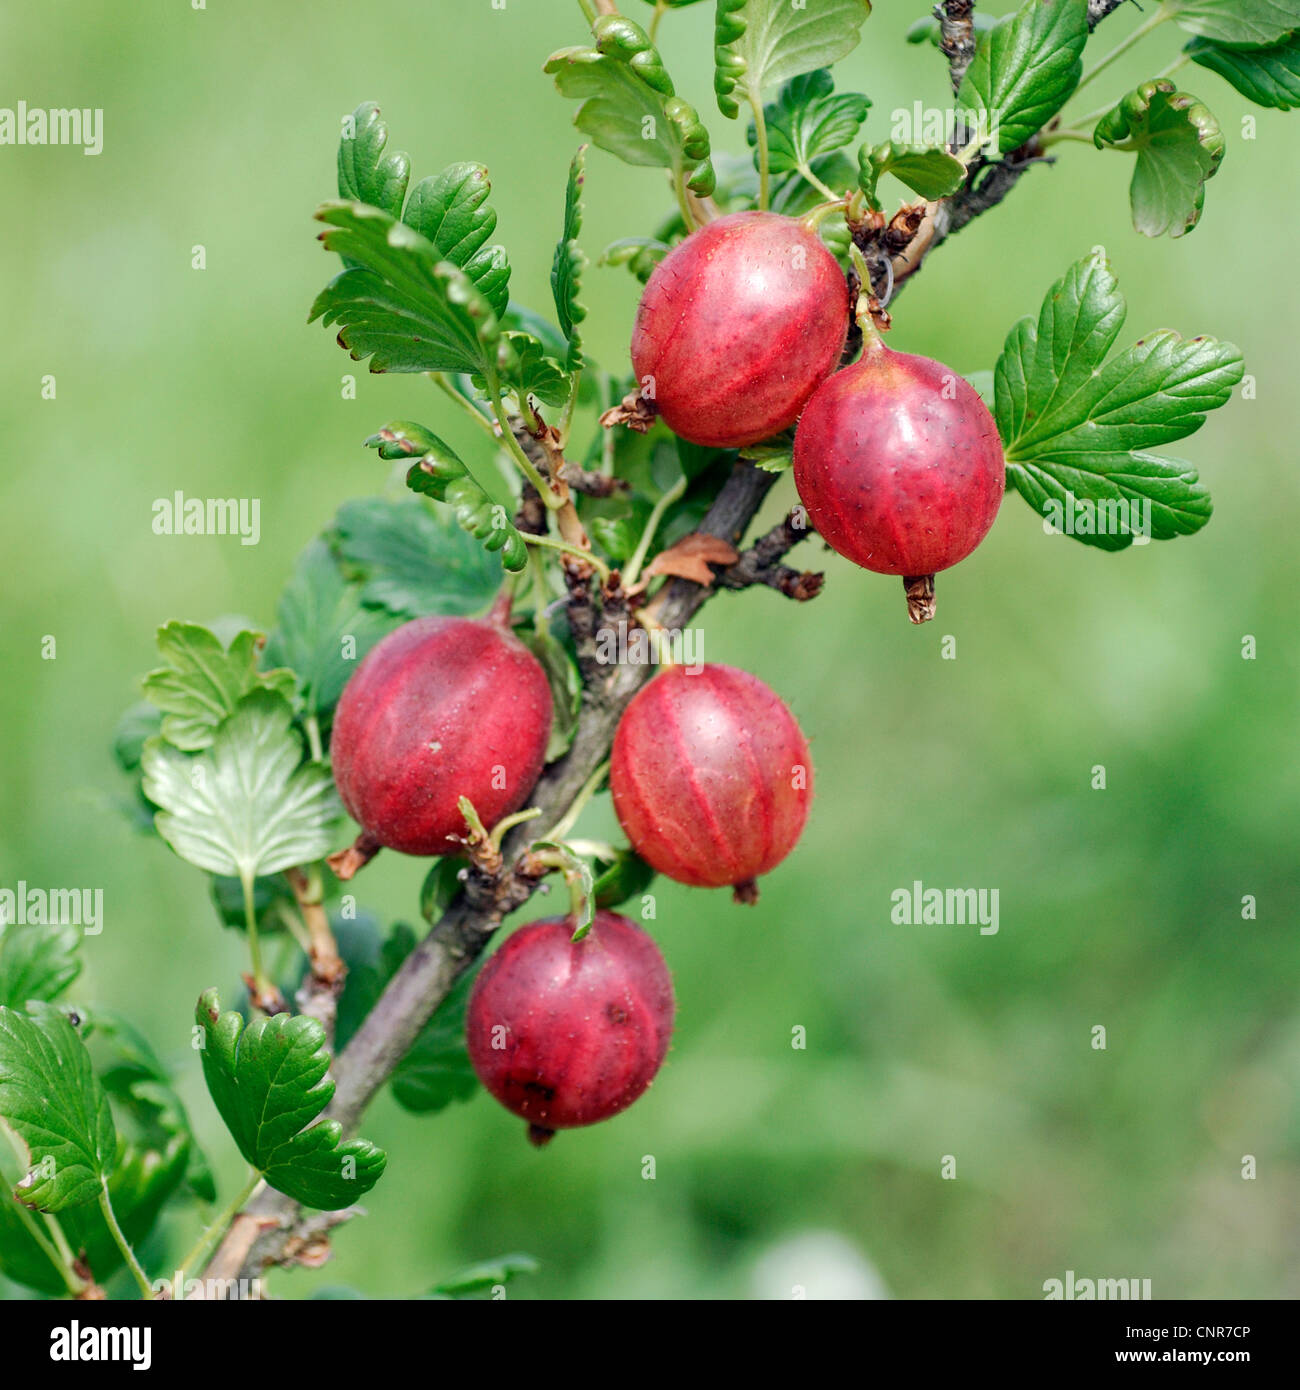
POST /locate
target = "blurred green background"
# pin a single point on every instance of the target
(1122, 907)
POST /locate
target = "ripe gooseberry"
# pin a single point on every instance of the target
(737, 327)
(711, 777)
(441, 708)
(899, 464)
(567, 1033)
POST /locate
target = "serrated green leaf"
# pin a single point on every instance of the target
(204, 680)
(629, 105)
(809, 119)
(439, 473)
(36, 961)
(324, 628)
(1246, 23)
(269, 1080)
(1024, 70)
(51, 1099)
(1266, 76)
(366, 173)
(249, 805)
(401, 304)
(524, 368)
(1179, 147)
(487, 1275)
(1078, 428)
(929, 172)
(450, 210)
(569, 262)
(761, 44)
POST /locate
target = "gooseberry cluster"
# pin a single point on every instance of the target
(738, 338)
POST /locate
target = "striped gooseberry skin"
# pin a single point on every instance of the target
(567, 1033)
(899, 464)
(737, 327)
(441, 708)
(711, 776)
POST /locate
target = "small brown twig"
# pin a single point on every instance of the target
(761, 564)
(957, 36)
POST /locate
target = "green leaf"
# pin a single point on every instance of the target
(269, 1081)
(761, 44)
(1179, 146)
(931, 173)
(1024, 70)
(1266, 76)
(1076, 427)
(524, 367)
(626, 876)
(1246, 23)
(437, 473)
(324, 628)
(450, 210)
(629, 105)
(771, 458)
(412, 561)
(36, 961)
(399, 303)
(808, 120)
(50, 1099)
(480, 1278)
(250, 805)
(366, 173)
(566, 688)
(569, 262)
(203, 681)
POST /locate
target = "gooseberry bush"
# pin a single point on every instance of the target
(461, 665)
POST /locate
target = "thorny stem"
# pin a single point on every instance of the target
(110, 1220)
(632, 570)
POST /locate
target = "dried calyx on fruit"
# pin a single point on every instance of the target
(737, 327)
(900, 466)
(442, 708)
(711, 777)
(567, 1033)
